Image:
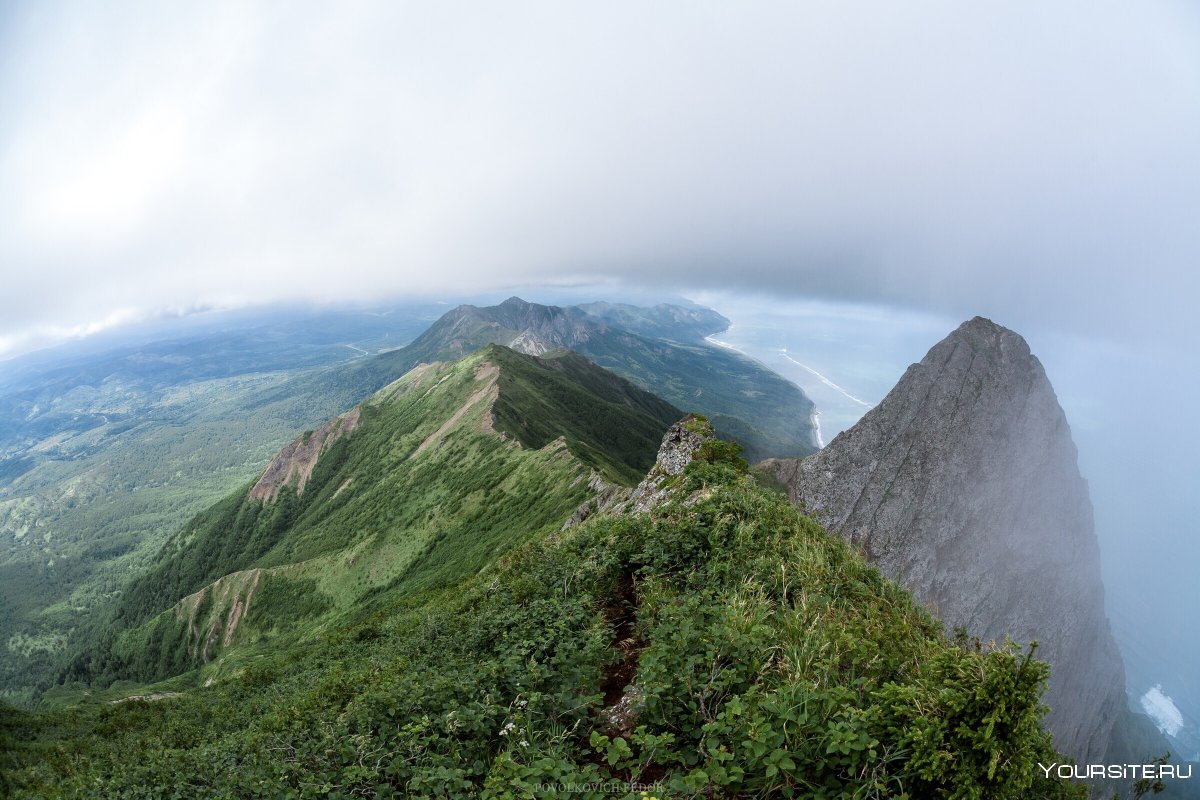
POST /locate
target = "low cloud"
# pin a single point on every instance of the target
(1034, 162)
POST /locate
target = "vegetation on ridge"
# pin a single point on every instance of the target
(754, 654)
(103, 455)
(420, 494)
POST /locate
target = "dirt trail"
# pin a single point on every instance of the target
(622, 700)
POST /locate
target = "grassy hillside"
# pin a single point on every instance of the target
(426, 489)
(606, 421)
(664, 353)
(104, 450)
(720, 645)
(746, 401)
(106, 446)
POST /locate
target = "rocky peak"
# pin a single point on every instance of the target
(963, 485)
(678, 448)
(540, 329)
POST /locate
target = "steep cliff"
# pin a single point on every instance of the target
(963, 485)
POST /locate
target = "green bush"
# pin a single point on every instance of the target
(770, 661)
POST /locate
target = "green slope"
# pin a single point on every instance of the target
(134, 441)
(105, 448)
(170, 428)
(746, 401)
(664, 353)
(757, 657)
(607, 422)
(98, 506)
(430, 480)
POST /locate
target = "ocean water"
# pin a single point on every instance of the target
(845, 357)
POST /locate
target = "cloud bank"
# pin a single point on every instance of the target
(1032, 161)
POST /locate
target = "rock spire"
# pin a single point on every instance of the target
(963, 485)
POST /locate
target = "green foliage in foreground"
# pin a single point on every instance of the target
(770, 661)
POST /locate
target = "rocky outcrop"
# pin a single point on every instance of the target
(963, 485)
(679, 446)
(606, 496)
(294, 464)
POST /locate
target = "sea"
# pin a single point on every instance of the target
(845, 357)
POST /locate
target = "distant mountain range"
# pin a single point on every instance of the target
(662, 350)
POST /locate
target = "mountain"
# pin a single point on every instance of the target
(663, 321)
(427, 481)
(963, 485)
(704, 638)
(769, 415)
(107, 444)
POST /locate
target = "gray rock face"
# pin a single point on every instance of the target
(679, 446)
(607, 496)
(963, 485)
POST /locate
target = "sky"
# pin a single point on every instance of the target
(1034, 162)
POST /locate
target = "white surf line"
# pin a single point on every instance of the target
(824, 380)
(815, 419)
(726, 345)
(359, 349)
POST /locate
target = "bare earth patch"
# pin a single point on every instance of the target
(295, 463)
(489, 391)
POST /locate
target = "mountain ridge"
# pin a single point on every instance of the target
(128, 442)
(767, 414)
(462, 441)
(709, 640)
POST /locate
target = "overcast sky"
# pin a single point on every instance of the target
(1036, 162)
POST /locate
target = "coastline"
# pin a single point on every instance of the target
(814, 421)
